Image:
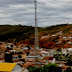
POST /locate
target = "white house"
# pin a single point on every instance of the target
(64, 51)
(44, 53)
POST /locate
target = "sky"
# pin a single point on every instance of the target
(49, 12)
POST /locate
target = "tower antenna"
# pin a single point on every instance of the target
(36, 32)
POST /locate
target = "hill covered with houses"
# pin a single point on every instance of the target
(54, 54)
(49, 37)
(52, 37)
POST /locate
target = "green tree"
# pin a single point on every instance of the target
(68, 69)
(46, 68)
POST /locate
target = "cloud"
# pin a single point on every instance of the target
(49, 12)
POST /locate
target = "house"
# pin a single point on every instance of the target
(24, 56)
(10, 67)
(13, 51)
(67, 51)
(46, 36)
(65, 38)
(44, 53)
(1, 57)
(51, 52)
(26, 48)
(54, 35)
(15, 58)
(27, 64)
(69, 42)
(70, 51)
(33, 57)
(70, 37)
(49, 59)
(64, 51)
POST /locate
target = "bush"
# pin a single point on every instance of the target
(46, 68)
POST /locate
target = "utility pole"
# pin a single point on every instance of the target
(36, 33)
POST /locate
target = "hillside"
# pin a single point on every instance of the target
(25, 34)
(17, 32)
(54, 29)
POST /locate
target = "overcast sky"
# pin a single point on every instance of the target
(50, 12)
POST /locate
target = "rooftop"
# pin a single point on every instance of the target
(7, 67)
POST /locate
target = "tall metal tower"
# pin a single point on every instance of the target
(36, 32)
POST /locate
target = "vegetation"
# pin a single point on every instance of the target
(46, 68)
(68, 69)
(18, 32)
